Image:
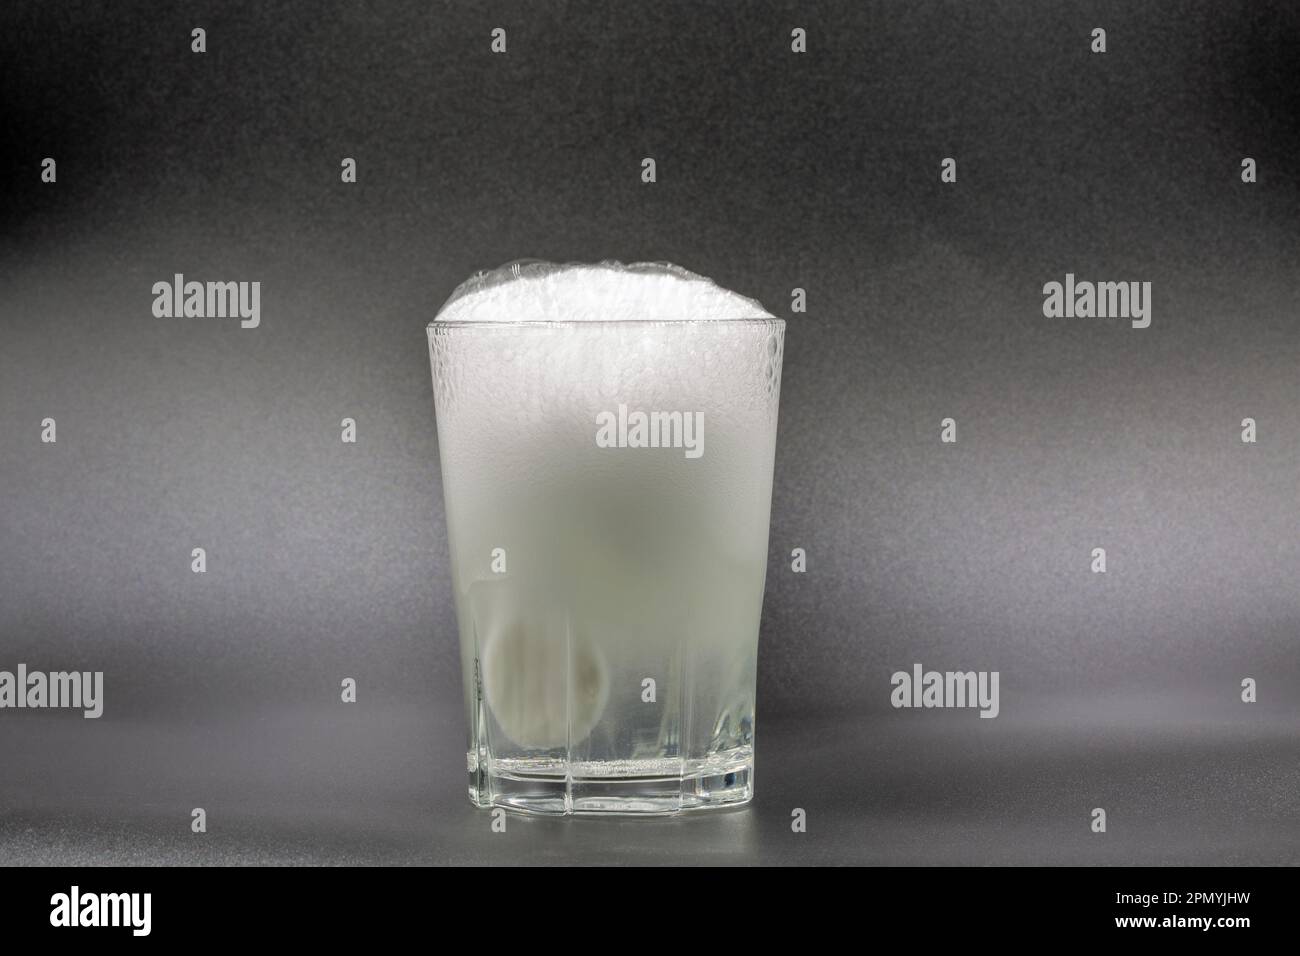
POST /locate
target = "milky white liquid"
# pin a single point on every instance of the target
(622, 566)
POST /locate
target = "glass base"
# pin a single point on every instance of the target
(631, 787)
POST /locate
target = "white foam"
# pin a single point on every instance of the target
(536, 291)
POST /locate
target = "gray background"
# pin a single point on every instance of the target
(820, 171)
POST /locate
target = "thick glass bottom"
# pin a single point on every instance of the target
(632, 787)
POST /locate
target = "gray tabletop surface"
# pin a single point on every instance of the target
(358, 785)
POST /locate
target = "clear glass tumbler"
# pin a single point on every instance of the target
(607, 488)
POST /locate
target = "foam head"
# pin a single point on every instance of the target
(536, 291)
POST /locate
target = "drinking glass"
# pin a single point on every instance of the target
(607, 488)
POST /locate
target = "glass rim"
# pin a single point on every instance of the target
(516, 324)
